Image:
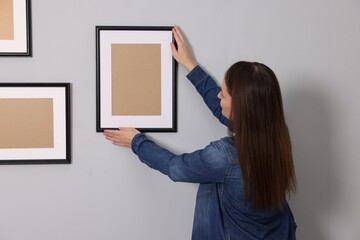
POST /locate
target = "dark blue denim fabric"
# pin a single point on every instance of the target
(220, 211)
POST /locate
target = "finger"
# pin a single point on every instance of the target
(112, 139)
(108, 134)
(116, 141)
(108, 131)
(111, 134)
(173, 49)
(177, 38)
(178, 33)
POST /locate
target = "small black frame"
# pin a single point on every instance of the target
(21, 45)
(106, 36)
(58, 95)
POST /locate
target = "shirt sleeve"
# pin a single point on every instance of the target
(208, 90)
(202, 166)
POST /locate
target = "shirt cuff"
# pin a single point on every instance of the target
(137, 141)
(196, 75)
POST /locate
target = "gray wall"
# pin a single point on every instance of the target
(106, 193)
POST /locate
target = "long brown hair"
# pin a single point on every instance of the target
(261, 136)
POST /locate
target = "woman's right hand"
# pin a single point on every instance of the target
(182, 53)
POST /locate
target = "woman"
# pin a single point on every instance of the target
(244, 178)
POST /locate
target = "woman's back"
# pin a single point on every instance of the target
(222, 213)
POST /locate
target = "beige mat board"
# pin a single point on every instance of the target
(6, 20)
(136, 79)
(26, 123)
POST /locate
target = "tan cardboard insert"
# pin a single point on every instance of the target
(6, 20)
(26, 123)
(136, 79)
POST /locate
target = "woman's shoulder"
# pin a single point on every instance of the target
(226, 147)
(226, 142)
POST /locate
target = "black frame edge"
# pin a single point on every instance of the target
(29, 52)
(98, 28)
(68, 153)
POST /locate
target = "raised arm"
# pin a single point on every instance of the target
(204, 84)
(208, 89)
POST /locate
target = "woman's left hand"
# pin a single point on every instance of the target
(121, 137)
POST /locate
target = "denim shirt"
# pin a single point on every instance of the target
(220, 211)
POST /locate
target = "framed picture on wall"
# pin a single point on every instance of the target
(15, 28)
(135, 79)
(35, 123)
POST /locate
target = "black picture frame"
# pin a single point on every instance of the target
(55, 95)
(20, 44)
(107, 36)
